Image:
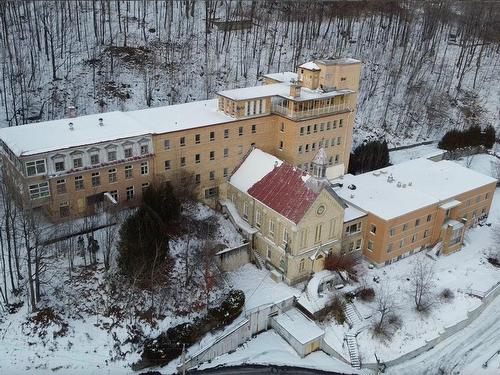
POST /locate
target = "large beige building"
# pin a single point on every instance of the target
(416, 205)
(66, 167)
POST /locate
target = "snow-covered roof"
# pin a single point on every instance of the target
(303, 329)
(352, 213)
(283, 76)
(416, 184)
(310, 65)
(54, 135)
(256, 165)
(339, 61)
(280, 89)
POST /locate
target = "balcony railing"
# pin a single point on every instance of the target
(279, 109)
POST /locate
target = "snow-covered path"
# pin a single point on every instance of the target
(463, 353)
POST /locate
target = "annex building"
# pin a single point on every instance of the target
(75, 166)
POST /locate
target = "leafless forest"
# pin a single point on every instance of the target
(428, 66)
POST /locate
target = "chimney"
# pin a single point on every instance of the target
(70, 126)
(101, 122)
(71, 111)
(294, 90)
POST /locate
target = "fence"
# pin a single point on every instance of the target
(253, 321)
(446, 333)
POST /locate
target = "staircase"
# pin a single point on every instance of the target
(259, 261)
(353, 316)
(435, 251)
(352, 347)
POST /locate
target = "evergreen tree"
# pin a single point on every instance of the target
(369, 156)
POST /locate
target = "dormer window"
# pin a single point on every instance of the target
(112, 155)
(128, 152)
(59, 166)
(94, 159)
(144, 149)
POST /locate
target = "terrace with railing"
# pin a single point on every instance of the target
(296, 114)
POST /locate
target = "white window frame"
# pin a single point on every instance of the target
(35, 164)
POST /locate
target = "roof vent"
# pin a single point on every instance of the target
(382, 171)
(410, 183)
(390, 179)
(101, 122)
(403, 186)
(398, 184)
(351, 187)
(352, 196)
(70, 126)
(275, 163)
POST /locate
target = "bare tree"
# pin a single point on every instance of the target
(422, 277)
(385, 319)
(112, 220)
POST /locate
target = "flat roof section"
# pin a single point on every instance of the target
(300, 327)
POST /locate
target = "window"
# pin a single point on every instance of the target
(339, 140)
(226, 133)
(401, 243)
(313, 146)
(373, 229)
(61, 186)
(212, 155)
(334, 125)
(240, 149)
(59, 165)
(79, 183)
(328, 125)
(322, 127)
(330, 160)
(285, 236)
(486, 196)
(301, 265)
(128, 152)
(167, 165)
(337, 159)
(35, 167)
(281, 145)
(64, 209)
(358, 244)
(197, 138)
(467, 204)
(307, 148)
(130, 193)
(414, 238)
(389, 247)
(300, 149)
(144, 187)
(166, 144)
(343, 78)
(112, 155)
(212, 136)
(341, 123)
(211, 192)
(96, 179)
(225, 172)
(39, 190)
(128, 171)
(282, 127)
(197, 178)
(240, 131)
(144, 149)
(405, 227)
(392, 231)
(211, 175)
(144, 168)
(182, 141)
(417, 222)
(332, 142)
(226, 152)
(269, 252)
(370, 245)
(353, 228)
(245, 211)
(197, 158)
(315, 128)
(112, 175)
(317, 236)
(429, 217)
(254, 129)
(271, 228)
(114, 194)
(258, 218)
(302, 130)
(183, 161)
(77, 162)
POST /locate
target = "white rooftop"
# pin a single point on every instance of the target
(283, 76)
(427, 183)
(352, 213)
(54, 135)
(253, 169)
(310, 65)
(299, 326)
(280, 89)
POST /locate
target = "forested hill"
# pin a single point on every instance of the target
(428, 65)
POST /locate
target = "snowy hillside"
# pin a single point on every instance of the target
(426, 67)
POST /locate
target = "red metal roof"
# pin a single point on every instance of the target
(284, 190)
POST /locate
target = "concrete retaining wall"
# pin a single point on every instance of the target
(233, 258)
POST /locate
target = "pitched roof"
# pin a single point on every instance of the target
(287, 190)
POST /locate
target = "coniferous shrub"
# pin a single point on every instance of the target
(471, 137)
(368, 157)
